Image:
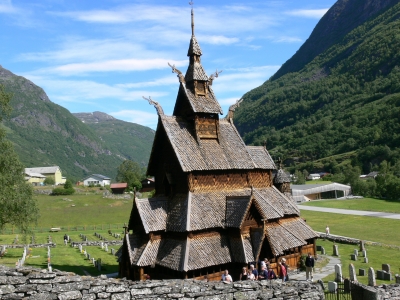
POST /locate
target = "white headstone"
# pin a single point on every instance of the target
(102, 245)
(106, 247)
(371, 277)
(356, 252)
(338, 273)
(332, 286)
(335, 250)
(364, 253)
(352, 272)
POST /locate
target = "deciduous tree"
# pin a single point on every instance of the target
(131, 173)
(18, 208)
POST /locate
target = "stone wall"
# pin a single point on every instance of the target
(38, 284)
(381, 292)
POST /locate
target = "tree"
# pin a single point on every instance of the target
(299, 177)
(131, 173)
(18, 208)
(49, 180)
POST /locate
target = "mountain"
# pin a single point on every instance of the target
(131, 141)
(46, 134)
(343, 96)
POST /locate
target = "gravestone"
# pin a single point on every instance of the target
(99, 264)
(353, 257)
(364, 253)
(65, 242)
(386, 267)
(379, 274)
(361, 272)
(366, 260)
(112, 251)
(387, 276)
(397, 278)
(106, 247)
(102, 245)
(362, 245)
(352, 272)
(319, 247)
(88, 256)
(335, 250)
(356, 252)
(332, 286)
(84, 252)
(371, 277)
(49, 267)
(93, 262)
(338, 273)
(323, 251)
(80, 247)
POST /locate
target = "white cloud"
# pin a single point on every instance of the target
(167, 80)
(7, 7)
(122, 65)
(227, 101)
(218, 39)
(308, 13)
(287, 39)
(137, 116)
(86, 90)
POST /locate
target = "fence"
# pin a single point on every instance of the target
(342, 292)
(68, 228)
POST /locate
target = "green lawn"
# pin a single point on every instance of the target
(368, 204)
(367, 228)
(63, 257)
(319, 181)
(376, 257)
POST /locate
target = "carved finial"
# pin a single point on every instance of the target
(180, 75)
(265, 144)
(158, 107)
(279, 163)
(232, 108)
(191, 4)
(212, 76)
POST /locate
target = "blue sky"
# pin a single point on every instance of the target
(105, 55)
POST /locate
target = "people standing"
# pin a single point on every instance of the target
(327, 231)
(283, 260)
(263, 274)
(270, 273)
(254, 272)
(244, 274)
(309, 267)
(282, 271)
(226, 277)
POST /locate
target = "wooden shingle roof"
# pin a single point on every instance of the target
(194, 47)
(281, 177)
(200, 104)
(149, 254)
(171, 253)
(236, 209)
(281, 237)
(261, 157)
(135, 247)
(195, 71)
(153, 213)
(207, 154)
(299, 226)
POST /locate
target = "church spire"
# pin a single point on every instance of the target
(191, 3)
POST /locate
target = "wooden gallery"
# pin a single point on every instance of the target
(216, 205)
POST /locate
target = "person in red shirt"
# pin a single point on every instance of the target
(282, 272)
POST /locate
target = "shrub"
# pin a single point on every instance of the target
(62, 191)
(49, 181)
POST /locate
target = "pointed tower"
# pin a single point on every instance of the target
(215, 206)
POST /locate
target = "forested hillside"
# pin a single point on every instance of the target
(346, 98)
(46, 134)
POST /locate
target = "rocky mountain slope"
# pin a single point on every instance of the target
(45, 134)
(343, 97)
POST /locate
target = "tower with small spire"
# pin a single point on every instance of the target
(215, 206)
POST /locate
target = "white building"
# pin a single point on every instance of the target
(309, 192)
(97, 179)
(313, 177)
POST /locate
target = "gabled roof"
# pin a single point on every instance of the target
(98, 176)
(43, 170)
(261, 157)
(204, 210)
(280, 239)
(31, 174)
(229, 152)
(195, 71)
(153, 213)
(199, 104)
(241, 248)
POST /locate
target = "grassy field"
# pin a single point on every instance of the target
(63, 257)
(369, 204)
(69, 212)
(376, 257)
(319, 181)
(367, 228)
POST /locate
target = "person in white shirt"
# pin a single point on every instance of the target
(327, 232)
(226, 277)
